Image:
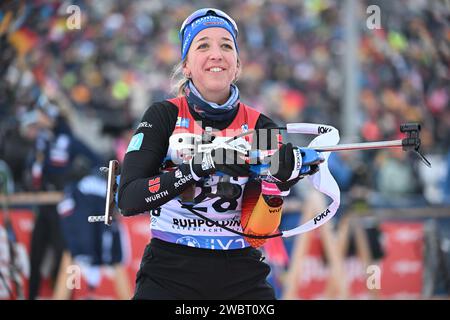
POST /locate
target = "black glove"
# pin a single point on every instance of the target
(227, 161)
(287, 166)
(290, 163)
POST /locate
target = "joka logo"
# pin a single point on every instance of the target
(244, 127)
(320, 216)
(322, 130)
(153, 185)
(182, 122)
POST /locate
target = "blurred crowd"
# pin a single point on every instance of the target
(122, 57)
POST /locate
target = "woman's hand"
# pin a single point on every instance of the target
(287, 166)
(226, 161)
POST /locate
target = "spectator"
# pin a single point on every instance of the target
(52, 167)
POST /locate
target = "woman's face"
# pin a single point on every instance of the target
(212, 64)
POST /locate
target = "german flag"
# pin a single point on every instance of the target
(23, 40)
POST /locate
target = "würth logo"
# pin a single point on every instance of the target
(153, 185)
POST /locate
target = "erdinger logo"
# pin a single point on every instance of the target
(213, 22)
(207, 20)
(154, 185)
(322, 130)
(320, 216)
(188, 241)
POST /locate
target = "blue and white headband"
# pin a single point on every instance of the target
(201, 20)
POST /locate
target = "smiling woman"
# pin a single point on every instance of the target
(207, 257)
(212, 64)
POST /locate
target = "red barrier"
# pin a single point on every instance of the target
(22, 224)
(401, 267)
(137, 235)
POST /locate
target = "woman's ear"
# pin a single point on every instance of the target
(186, 70)
(238, 70)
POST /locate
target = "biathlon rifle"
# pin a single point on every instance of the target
(410, 143)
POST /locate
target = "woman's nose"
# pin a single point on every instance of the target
(215, 53)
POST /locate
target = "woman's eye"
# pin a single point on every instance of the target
(203, 45)
(226, 45)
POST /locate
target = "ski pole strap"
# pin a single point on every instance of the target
(322, 181)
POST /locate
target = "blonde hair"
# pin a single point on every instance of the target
(179, 80)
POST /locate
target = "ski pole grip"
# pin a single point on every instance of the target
(412, 140)
(410, 127)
